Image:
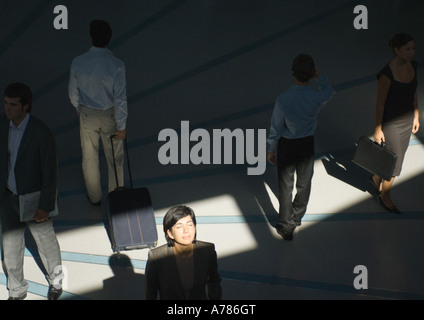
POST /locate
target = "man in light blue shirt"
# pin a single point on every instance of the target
(291, 140)
(97, 90)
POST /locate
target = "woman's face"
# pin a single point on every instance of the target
(406, 52)
(183, 232)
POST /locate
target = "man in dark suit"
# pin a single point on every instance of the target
(28, 163)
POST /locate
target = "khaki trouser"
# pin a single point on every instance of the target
(96, 125)
(13, 247)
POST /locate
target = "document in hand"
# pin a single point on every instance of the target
(28, 203)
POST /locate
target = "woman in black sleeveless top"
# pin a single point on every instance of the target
(397, 113)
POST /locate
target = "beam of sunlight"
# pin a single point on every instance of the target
(330, 196)
(211, 211)
(222, 205)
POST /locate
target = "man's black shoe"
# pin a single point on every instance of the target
(22, 297)
(96, 204)
(287, 235)
(54, 293)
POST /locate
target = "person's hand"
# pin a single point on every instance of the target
(40, 215)
(379, 136)
(416, 125)
(120, 134)
(271, 157)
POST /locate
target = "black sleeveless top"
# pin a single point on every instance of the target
(400, 98)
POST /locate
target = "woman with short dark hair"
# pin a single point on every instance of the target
(182, 268)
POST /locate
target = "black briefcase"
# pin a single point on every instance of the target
(375, 158)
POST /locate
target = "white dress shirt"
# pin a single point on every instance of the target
(97, 81)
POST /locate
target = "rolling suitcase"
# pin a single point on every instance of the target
(131, 217)
(375, 158)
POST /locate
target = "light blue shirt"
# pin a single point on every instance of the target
(97, 81)
(15, 138)
(296, 111)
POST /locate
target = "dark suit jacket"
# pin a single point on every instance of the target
(36, 163)
(162, 274)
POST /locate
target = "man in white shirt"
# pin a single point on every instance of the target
(97, 89)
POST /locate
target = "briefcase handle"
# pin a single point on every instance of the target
(128, 160)
(382, 145)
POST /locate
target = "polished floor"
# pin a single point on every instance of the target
(344, 228)
(221, 64)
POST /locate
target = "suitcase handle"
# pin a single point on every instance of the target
(128, 160)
